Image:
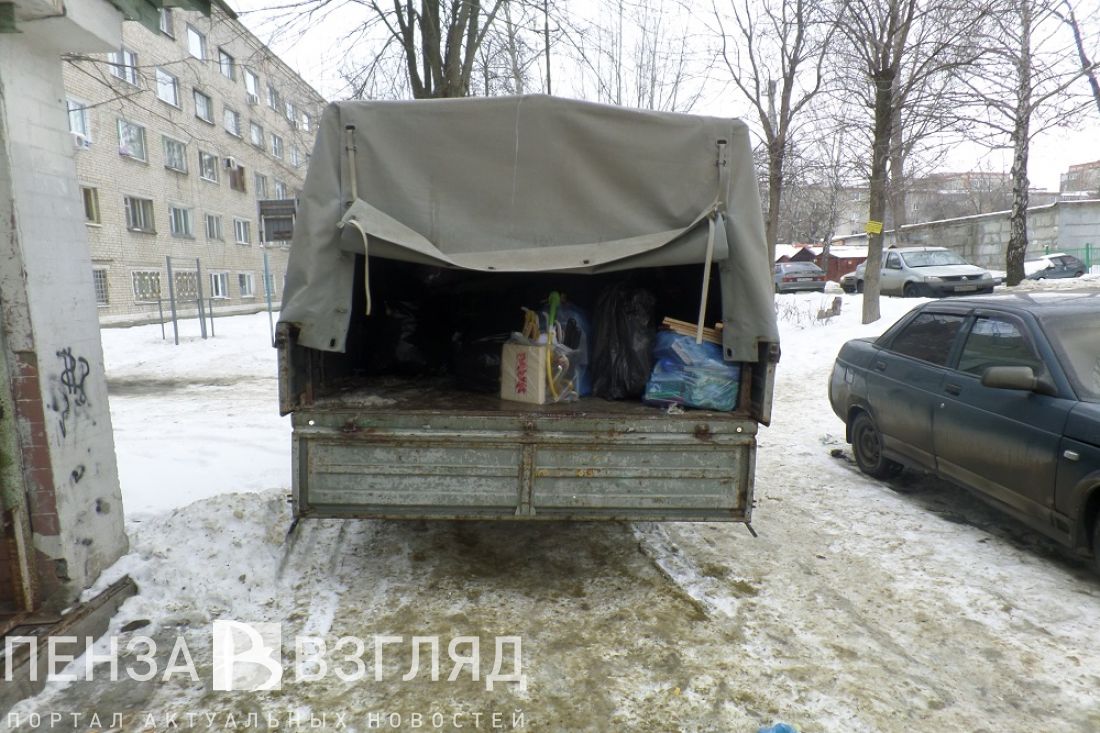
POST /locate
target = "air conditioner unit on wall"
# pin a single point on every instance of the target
(231, 162)
(81, 141)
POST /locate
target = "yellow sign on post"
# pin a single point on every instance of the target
(874, 227)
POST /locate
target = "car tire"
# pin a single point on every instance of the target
(1096, 543)
(911, 290)
(859, 286)
(867, 447)
(1079, 273)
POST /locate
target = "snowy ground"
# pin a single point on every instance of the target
(861, 606)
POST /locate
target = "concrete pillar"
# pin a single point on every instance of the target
(56, 441)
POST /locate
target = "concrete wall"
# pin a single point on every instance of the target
(983, 239)
(50, 333)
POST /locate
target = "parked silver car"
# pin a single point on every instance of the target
(928, 271)
(798, 276)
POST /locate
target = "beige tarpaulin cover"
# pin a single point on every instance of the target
(534, 183)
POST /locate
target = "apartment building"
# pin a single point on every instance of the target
(179, 133)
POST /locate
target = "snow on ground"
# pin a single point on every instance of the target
(195, 420)
(862, 606)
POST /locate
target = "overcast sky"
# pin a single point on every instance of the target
(317, 56)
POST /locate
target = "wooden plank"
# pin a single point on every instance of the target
(86, 619)
(684, 328)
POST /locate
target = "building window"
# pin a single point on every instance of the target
(280, 189)
(269, 284)
(237, 178)
(273, 98)
(99, 281)
(214, 228)
(219, 285)
(242, 229)
(78, 123)
(168, 88)
(307, 122)
(208, 166)
(124, 65)
(204, 107)
(166, 22)
(139, 214)
(295, 156)
(232, 122)
(175, 155)
(252, 86)
(146, 285)
(196, 43)
(276, 146)
(90, 196)
(186, 285)
(131, 140)
(179, 222)
(245, 284)
(256, 134)
(261, 185)
(291, 115)
(227, 64)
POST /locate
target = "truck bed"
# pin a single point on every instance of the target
(441, 395)
(419, 448)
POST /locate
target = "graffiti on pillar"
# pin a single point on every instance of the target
(70, 397)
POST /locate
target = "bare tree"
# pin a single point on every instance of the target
(638, 54)
(1088, 68)
(1024, 90)
(883, 36)
(775, 56)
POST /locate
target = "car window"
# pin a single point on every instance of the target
(928, 337)
(1077, 340)
(933, 258)
(893, 262)
(997, 341)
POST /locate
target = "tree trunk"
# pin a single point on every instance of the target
(1017, 220)
(775, 191)
(884, 109)
(1021, 132)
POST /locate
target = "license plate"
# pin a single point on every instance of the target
(965, 288)
(805, 279)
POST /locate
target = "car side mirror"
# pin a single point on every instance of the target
(1016, 377)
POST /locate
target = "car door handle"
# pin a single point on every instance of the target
(953, 389)
(880, 366)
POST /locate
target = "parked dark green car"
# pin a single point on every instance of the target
(1000, 394)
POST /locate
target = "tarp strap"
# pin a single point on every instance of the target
(706, 277)
(366, 262)
(714, 219)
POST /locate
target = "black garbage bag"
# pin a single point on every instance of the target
(475, 362)
(625, 326)
(406, 341)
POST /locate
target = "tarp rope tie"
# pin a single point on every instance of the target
(366, 262)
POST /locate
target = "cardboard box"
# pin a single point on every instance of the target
(523, 373)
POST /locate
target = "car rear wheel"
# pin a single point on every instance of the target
(911, 290)
(1079, 273)
(1096, 543)
(859, 286)
(867, 447)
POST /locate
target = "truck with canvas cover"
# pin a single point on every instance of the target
(424, 231)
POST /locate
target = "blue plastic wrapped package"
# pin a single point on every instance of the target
(691, 374)
(778, 728)
(574, 332)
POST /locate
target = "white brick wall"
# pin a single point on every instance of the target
(49, 307)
